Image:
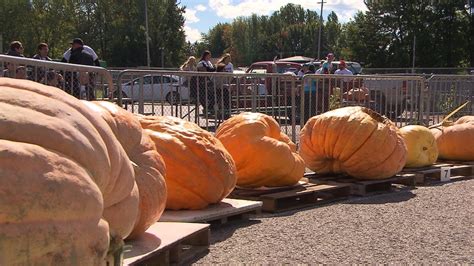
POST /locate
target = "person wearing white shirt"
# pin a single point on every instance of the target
(344, 71)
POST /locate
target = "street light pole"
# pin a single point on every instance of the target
(148, 60)
(320, 25)
(414, 54)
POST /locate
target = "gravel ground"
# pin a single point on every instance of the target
(428, 225)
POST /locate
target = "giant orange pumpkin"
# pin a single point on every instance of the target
(264, 156)
(47, 117)
(148, 164)
(456, 141)
(199, 170)
(353, 140)
(465, 119)
(50, 207)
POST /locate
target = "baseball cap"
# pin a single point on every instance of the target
(78, 41)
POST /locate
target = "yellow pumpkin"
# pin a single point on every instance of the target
(353, 140)
(199, 170)
(264, 156)
(421, 146)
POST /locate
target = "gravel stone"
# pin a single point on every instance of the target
(433, 224)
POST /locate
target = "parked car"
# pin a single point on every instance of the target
(156, 88)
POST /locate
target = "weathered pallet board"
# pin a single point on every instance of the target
(168, 244)
(294, 197)
(431, 175)
(226, 210)
(364, 187)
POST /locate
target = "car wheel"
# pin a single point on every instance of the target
(173, 97)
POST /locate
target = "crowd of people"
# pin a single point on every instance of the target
(326, 67)
(80, 85)
(211, 89)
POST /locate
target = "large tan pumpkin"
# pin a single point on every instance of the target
(50, 208)
(465, 119)
(199, 170)
(148, 163)
(50, 118)
(264, 156)
(421, 146)
(456, 141)
(353, 140)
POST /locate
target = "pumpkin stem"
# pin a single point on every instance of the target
(445, 121)
(378, 117)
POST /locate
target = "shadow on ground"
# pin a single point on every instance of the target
(391, 197)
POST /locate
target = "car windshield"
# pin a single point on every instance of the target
(285, 69)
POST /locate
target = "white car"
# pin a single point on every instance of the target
(156, 88)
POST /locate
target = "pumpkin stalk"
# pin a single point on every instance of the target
(445, 121)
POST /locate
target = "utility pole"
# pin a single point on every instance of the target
(320, 25)
(414, 53)
(148, 60)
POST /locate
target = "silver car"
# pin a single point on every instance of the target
(156, 88)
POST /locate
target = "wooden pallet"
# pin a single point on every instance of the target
(223, 212)
(364, 187)
(432, 174)
(293, 197)
(167, 244)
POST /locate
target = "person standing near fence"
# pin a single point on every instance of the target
(81, 57)
(225, 63)
(41, 54)
(15, 49)
(190, 82)
(207, 97)
(222, 84)
(328, 64)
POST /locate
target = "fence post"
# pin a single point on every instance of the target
(421, 102)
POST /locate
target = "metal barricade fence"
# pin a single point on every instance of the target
(445, 93)
(400, 98)
(208, 98)
(83, 82)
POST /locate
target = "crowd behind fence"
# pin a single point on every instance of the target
(209, 98)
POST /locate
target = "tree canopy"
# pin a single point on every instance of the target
(381, 37)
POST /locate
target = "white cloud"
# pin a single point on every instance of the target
(192, 34)
(200, 8)
(190, 16)
(230, 9)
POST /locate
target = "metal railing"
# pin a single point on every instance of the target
(398, 97)
(209, 98)
(444, 93)
(83, 82)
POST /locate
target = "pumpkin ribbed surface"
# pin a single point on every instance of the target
(353, 140)
(456, 141)
(148, 164)
(199, 170)
(50, 209)
(264, 156)
(40, 115)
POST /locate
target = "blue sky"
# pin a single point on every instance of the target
(201, 15)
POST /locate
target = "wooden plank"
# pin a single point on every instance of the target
(221, 212)
(433, 174)
(310, 195)
(364, 187)
(165, 243)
